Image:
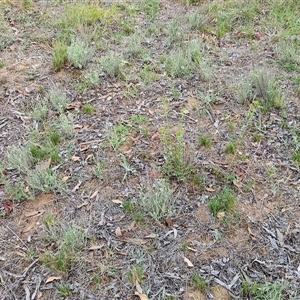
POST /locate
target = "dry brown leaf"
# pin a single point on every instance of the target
(29, 227)
(117, 201)
(151, 236)
(45, 165)
(52, 278)
(82, 204)
(78, 126)
(169, 221)
(131, 226)
(94, 194)
(221, 215)
(135, 241)
(65, 178)
(155, 136)
(280, 237)
(142, 296)
(119, 232)
(28, 214)
(75, 158)
(19, 253)
(84, 147)
(188, 262)
(210, 189)
(96, 247)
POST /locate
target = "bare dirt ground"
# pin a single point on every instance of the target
(258, 241)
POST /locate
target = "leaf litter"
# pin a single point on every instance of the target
(258, 240)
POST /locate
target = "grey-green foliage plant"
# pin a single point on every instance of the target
(150, 7)
(44, 180)
(112, 64)
(79, 53)
(157, 200)
(288, 52)
(19, 158)
(70, 240)
(187, 60)
(39, 110)
(58, 99)
(91, 78)
(261, 86)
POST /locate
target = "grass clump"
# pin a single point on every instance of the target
(79, 53)
(59, 55)
(289, 54)
(223, 202)
(70, 240)
(262, 87)
(63, 290)
(135, 274)
(185, 61)
(150, 8)
(157, 200)
(296, 157)
(204, 140)
(117, 135)
(263, 291)
(88, 108)
(80, 14)
(231, 148)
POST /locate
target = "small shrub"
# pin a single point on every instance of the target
(58, 99)
(19, 158)
(157, 200)
(177, 161)
(112, 64)
(91, 78)
(79, 53)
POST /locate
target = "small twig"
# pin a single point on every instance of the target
(16, 236)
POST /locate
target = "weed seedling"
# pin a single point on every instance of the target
(117, 135)
(198, 283)
(88, 108)
(204, 140)
(135, 274)
(224, 201)
(230, 148)
(63, 290)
